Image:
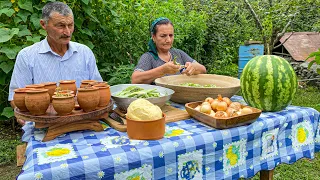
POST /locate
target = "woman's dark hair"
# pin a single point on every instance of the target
(164, 21)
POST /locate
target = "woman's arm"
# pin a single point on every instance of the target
(147, 77)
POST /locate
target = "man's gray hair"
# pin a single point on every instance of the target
(52, 7)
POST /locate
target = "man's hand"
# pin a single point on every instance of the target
(170, 68)
(21, 122)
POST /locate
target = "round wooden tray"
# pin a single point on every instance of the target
(51, 115)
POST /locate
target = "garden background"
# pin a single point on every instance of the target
(117, 31)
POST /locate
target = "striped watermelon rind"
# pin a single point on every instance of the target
(268, 82)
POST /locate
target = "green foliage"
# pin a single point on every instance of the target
(7, 151)
(220, 67)
(309, 97)
(117, 74)
(126, 37)
(316, 60)
(8, 112)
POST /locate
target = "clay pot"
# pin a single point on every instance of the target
(51, 86)
(88, 98)
(105, 95)
(19, 98)
(86, 83)
(68, 85)
(63, 105)
(37, 101)
(35, 86)
(147, 129)
(101, 83)
(64, 92)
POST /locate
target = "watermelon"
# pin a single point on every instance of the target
(268, 83)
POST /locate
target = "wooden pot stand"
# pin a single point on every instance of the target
(58, 125)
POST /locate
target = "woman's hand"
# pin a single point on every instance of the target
(170, 68)
(190, 69)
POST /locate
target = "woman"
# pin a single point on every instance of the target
(162, 59)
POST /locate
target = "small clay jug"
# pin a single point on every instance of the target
(35, 86)
(37, 101)
(68, 85)
(19, 98)
(85, 83)
(51, 86)
(105, 94)
(64, 104)
(88, 98)
(146, 129)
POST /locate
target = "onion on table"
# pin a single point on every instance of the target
(222, 107)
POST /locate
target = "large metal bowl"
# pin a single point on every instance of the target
(226, 86)
(123, 103)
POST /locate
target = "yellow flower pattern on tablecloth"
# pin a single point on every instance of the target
(234, 155)
(175, 132)
(233, 158)
(100, 174)
(38, 176)
(142, 173)
(302, 134)
(58, 152)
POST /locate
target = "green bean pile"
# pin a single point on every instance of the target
(138, 92)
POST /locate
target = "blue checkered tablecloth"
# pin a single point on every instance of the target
(189, 150)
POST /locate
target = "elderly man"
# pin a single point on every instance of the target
(56, 57)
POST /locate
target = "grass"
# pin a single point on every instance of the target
(302, 169)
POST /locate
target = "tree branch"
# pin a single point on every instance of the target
(283, 30)
(258, 23)
(283, 41)
(254, 15)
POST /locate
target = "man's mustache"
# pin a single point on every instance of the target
(65, 37)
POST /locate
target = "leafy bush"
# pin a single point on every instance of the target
(117, 74)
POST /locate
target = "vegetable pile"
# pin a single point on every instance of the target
(138, 92)
(222, 107)
(198, 85)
